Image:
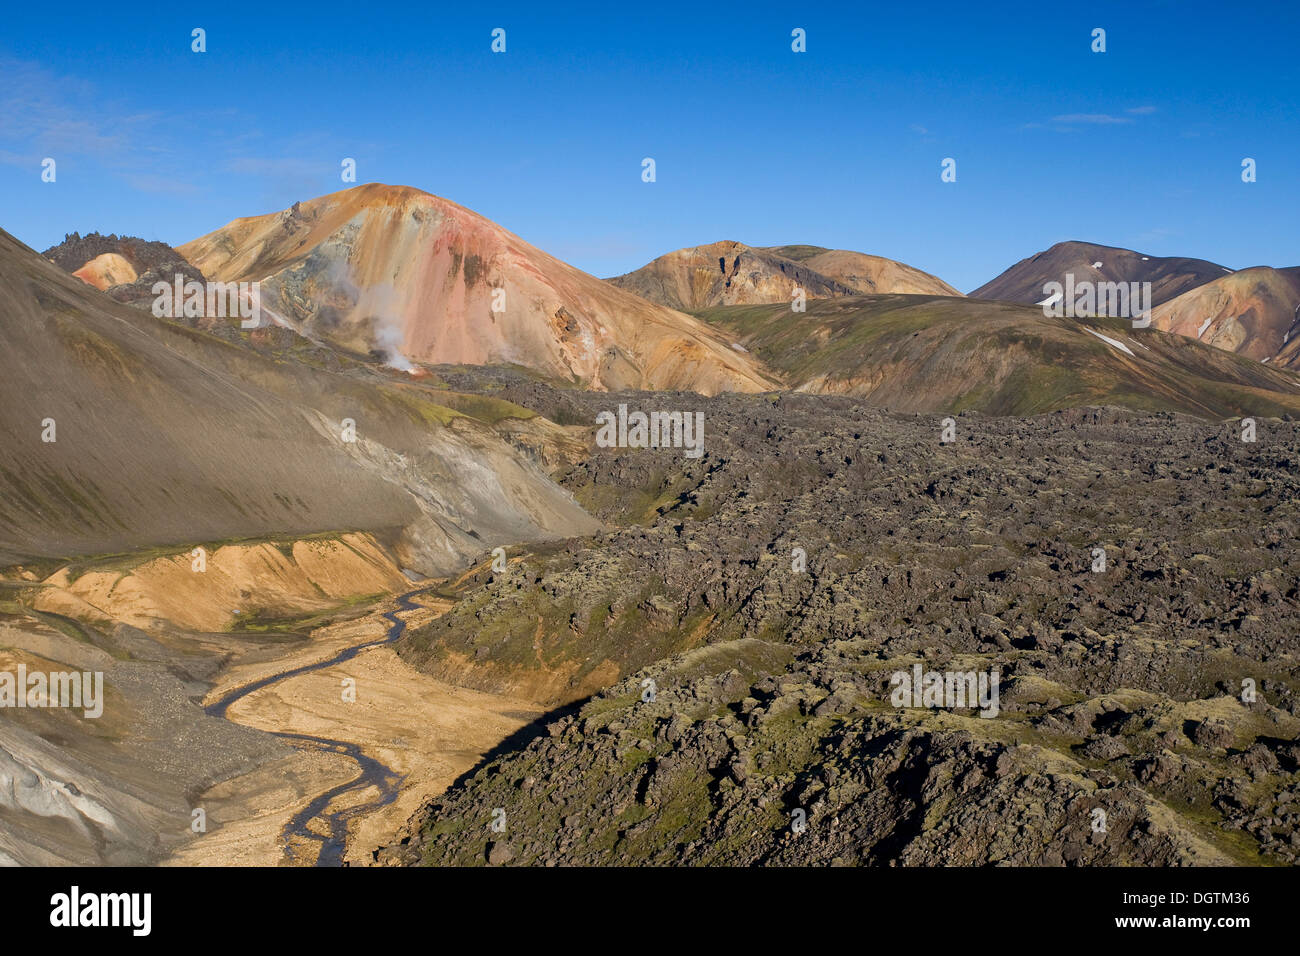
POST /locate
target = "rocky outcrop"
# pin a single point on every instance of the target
(125, 267)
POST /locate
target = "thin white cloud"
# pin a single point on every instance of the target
(47, 114)
(1101, 119)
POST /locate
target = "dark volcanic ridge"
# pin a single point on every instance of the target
(151, 261)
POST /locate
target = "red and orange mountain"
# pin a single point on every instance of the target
(400, 272)
(1253, 311)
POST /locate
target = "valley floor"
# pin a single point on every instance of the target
(425, 731)
(303, 741)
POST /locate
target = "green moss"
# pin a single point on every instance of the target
(265, 620)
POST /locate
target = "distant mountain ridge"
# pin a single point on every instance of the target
(732, 273)
(1170, 276)
(1254, 312)
(939, 354)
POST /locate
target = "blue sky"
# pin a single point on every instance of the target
(1140, 146)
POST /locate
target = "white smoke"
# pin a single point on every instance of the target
(376, 305)
(388, 339)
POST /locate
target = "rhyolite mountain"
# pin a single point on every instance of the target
(417, 278)
(1253, 312)
(732, 273)
(1169, 276)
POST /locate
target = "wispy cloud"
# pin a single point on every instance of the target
(42, 113)
(1100, 119)
(1066, 122)
(47, 114)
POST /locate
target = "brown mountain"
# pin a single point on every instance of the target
(418, 278)
(944, 354)
(732, 273)
(1254, 312)
(120, 432)
(868, 275)
(1169, 276)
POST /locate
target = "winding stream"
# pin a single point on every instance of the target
(373, 773)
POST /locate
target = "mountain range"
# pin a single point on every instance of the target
(422, 390)
(1253, 312)
(397, 276)
(1169, 276)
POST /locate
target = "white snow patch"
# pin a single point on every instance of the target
(738, 347)
(1096, 265)
(1109, 341)
(1204, 325)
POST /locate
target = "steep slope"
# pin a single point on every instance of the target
(1169, 276)
(119, 431)
(940, 354)
(397, 271)
(1254, 312)
(732, 273)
